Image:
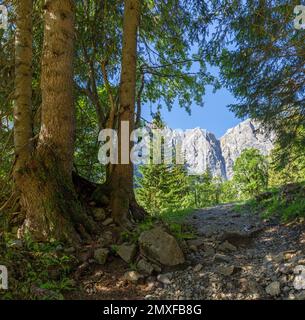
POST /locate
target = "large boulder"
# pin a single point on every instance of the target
(158, 245)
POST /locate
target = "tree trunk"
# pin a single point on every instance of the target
(53, 210)
(23, 85)
(58, 112)
(122, 198)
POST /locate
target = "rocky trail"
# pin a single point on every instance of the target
(236, 255)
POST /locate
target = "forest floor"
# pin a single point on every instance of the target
(235, 255)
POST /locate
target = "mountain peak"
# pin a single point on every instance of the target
(219, 155)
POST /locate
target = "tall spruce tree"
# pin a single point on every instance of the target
(162, 188)
(250, 173)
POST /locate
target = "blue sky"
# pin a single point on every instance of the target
(214, 116)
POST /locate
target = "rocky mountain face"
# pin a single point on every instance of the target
(219, 155)
(204, 151)
(247, 134)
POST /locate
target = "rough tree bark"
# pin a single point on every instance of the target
(23, 84)
(52, 208)
(121, 178)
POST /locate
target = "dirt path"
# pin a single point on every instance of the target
(239, 256)
(236, 255)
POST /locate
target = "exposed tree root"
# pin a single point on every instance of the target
(51, 208)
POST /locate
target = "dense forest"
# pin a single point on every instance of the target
(69, 69)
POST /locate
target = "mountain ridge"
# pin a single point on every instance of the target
(219, 155)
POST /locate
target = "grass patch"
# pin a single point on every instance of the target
(174, 220)
(245, 206)
(286, 211)
(177, 215)
(277, 205)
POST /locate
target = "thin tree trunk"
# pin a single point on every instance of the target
(122, 198)
(23, 85)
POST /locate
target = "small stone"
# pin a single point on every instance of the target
(107, 221)
(193, 248)
(163, 278)
(145, 267)
(169, 275)
(299, 282)
(227, 246)
(59, 248)
(253, 286)
(300, 296)
(209, 252)
(279, 257)
(156, 267)
(196, 242)
(101, 255)
(226, 270)
(283, 279)
(289, 255)
(299, 269)
(221, 258)
(132, 276)
(273, 289)
(127, 252)
(286, 289)
(198, 267)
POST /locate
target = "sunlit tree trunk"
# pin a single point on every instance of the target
(122, 199)
(48, 196)
(23, 85)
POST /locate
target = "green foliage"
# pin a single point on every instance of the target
(36, 271)
(181, 231)
(228, 192)
(250, 173)
(287, 166)
(294, 210)
(286, 210)
(162, 187)
(85, 155)
(205, 190)
(261, 57)
(285, 207)
(177, 215)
